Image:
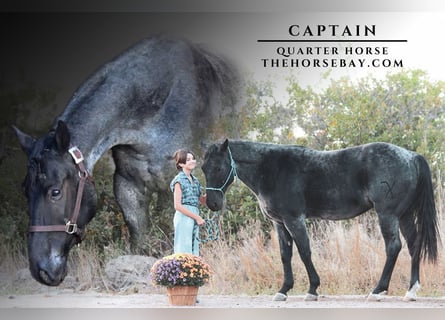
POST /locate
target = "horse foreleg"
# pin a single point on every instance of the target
(390, 231)
(285, 242)
(134, 203)
(297, 229)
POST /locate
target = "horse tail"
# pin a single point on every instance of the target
(423, 211)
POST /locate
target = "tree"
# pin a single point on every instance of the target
(264, 117)
(405, 108)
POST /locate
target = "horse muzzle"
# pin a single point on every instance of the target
(213, 206)
(50, 276)
(49, 270)
(214, 201)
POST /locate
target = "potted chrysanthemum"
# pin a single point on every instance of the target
(182, 274)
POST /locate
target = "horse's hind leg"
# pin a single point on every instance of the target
(286, 243)
(390, 230)
(409, 232)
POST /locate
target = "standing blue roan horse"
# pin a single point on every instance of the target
(293, 183)
(158, 96)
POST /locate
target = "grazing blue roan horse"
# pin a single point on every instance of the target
(158, 96)
(293, 183)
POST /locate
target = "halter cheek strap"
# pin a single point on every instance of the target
(232, 171)
(71, 226)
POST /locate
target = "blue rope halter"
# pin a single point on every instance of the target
(232, 171)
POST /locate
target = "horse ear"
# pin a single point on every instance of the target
(62, 137)
(26, 141)
(224, 145)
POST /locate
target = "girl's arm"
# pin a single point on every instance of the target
(177, 195)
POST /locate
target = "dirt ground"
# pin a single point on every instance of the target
(146, 306)
(92, 299)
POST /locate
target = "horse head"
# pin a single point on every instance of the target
(56, 183)
(220, 170)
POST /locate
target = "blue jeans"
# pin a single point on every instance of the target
(186, 233)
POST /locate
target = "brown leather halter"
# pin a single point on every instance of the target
(71, 226)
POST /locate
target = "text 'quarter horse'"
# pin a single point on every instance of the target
(158, 96)
(293, 183)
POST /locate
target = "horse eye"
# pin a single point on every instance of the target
(56, 194)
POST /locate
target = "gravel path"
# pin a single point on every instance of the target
(103, 300)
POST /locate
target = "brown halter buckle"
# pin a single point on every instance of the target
(71, 228)
(76, 154)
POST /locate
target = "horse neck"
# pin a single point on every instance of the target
(93, 133)
(247, 157)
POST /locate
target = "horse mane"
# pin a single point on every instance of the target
(215, 73)
(269, 146)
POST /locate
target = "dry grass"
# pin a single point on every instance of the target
(349, 259)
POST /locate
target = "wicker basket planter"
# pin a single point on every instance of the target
(182, 295)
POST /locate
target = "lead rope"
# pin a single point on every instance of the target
(211, 225)
(210, 229)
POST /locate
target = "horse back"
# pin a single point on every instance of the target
(339, 184)
(137, 83)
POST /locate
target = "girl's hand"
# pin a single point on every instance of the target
(200, 221)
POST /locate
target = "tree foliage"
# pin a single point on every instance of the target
(404, 108)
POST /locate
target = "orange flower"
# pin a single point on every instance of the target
(180, 269)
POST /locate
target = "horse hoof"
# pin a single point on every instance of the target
(311, 297)
(280, 297)
(411, 295)
(377, 296)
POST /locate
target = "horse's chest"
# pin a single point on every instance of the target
(268, 211)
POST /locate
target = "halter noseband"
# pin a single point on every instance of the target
(232, 171)
(71, 226)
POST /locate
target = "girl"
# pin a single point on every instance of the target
(187, 196)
